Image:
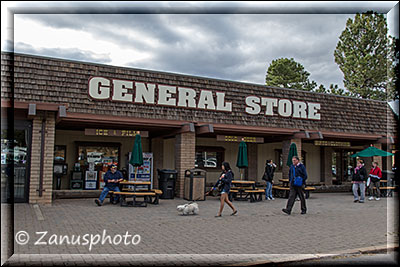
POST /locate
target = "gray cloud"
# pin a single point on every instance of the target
(74, 54)
(236, 47)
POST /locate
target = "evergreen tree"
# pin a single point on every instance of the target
(362, 54)
(288, 73)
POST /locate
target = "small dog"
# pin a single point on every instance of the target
(190, 208)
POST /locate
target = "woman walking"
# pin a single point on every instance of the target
(269, 179)
(226, 180)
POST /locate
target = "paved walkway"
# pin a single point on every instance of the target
(333, 224)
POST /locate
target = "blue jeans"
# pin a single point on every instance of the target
(268, 190)
(105, 192)
(362, 191)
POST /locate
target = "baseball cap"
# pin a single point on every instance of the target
(113, 166)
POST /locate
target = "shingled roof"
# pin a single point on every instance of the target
(51, 80)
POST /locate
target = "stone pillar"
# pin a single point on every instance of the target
(157, 147)
(49, 136)
(185, 145)
(285, 153)
(326, 165)
(378, 159)
(252, 158)
(367, 161)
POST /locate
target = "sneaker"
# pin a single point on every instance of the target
(98, 202)
(267, 198)
(361, 201)
(377, 198)
(272, 198)
(286, 211)
(371, 198)
(303, 212)
(356, 200)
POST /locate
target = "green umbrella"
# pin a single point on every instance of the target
(242, 161)
(372, 151)
(137, 154)
(292, 153)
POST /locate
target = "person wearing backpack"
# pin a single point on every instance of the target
(359, 178)
(297, 181)
(268, 177)
(375, 176)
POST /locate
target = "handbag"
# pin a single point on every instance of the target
(298, 181)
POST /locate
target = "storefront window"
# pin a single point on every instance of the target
(98, 154)
(280, 161)
(209, 157)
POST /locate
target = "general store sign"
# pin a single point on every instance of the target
(173, 96)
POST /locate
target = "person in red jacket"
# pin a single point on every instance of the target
(375, 176)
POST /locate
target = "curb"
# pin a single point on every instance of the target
(306, 257)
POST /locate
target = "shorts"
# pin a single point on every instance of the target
(224, 192)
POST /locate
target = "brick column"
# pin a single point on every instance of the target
(252, 158)
(157, 147)
(285, 153)
(378, 159)
(326, 165)
(185, 144)
(46, 197)
(367, 161)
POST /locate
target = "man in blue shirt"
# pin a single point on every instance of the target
(112, 179)
(296, 170)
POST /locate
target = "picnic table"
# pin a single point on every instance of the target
(283, 190)
(244, 190)
(386, 187)
(129, 189)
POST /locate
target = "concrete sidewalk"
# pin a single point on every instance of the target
(261, 232)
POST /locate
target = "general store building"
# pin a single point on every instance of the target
(73, 113)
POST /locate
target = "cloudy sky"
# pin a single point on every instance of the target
(232, 41)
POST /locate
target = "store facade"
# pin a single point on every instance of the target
(79, 117)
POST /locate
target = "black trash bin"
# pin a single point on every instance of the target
(166, 183)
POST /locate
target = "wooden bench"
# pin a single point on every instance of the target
(386, 191)
(134, 195)
(308, 189)
(156, 197)
(232, 194)
(255, 194)
(281, 191)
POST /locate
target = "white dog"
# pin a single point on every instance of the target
(191, 208)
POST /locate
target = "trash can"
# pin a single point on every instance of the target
(195, 185)
(166, 183)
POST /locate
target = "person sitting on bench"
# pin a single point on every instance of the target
(111, 179)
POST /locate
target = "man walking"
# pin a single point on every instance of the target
(111, 179)
(297, 171)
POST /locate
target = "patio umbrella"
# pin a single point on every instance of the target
(242, 161)
(137, 154)
(370, 152)
(292, 153)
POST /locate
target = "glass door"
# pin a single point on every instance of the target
(18, 158)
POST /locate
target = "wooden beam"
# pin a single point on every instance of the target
(203, 129)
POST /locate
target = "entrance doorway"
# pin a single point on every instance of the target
(19, 158)
(343, 165)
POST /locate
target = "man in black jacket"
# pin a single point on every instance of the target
(269, 179)
(359, 178)
(296, 170)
